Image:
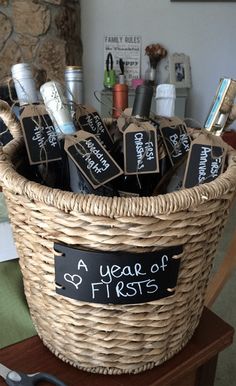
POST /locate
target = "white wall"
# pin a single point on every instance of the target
(8, 248)
(203, 30)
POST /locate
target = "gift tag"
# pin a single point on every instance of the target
(89, 120)
(140, 149)
(205, 160)
(91, 158)
(176, 139)
(40, 137)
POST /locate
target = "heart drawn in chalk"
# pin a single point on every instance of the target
(76, 280)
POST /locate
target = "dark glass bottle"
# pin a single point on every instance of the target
(7, 94)
(140, 184)
(54, 173)
(56, 104)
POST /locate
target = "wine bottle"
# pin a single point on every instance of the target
(58, 108)
(47, 173)
(135, 184)
(24, 84)
(165, 100)
(74, 87)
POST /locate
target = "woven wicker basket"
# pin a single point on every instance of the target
(113, 339)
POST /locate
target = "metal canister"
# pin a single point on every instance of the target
(74, 84)
(24, 84)
(120, 99)
(57, 106)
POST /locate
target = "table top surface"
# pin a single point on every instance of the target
(212, 336)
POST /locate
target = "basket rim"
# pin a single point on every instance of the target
(151, 206)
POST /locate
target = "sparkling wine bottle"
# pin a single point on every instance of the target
(53, 173)
(59, 110)
(139, 184)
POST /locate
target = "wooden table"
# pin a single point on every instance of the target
(195, 365)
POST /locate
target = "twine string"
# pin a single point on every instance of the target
(82, 151)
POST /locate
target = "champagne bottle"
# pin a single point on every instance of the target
(139, 184)
(74, 87)
(59, 110)
(57, 107)
(24, 84)
(50, 173)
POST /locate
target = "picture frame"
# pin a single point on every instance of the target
(180, 71)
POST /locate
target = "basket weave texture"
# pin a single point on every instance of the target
(114, 339)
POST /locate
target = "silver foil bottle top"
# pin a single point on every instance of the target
(24, 84)
(57, 106)
(74, 84)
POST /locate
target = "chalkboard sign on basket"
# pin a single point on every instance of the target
(118, 277)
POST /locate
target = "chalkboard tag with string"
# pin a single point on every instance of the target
(176, 139)
(205, 161)
(89, 120)
(91, 158)
(116, 277)
(140, 149)
(40, 137)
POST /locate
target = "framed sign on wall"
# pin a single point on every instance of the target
(127, 48)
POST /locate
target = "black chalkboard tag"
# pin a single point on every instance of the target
(176, 139)
(87, 152)
(116, 277)
(89, 120)
(40, 137)
(140, 149)
(205, 160)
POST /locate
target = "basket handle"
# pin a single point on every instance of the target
(10, 121)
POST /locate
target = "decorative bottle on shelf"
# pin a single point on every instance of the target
(150, 75)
